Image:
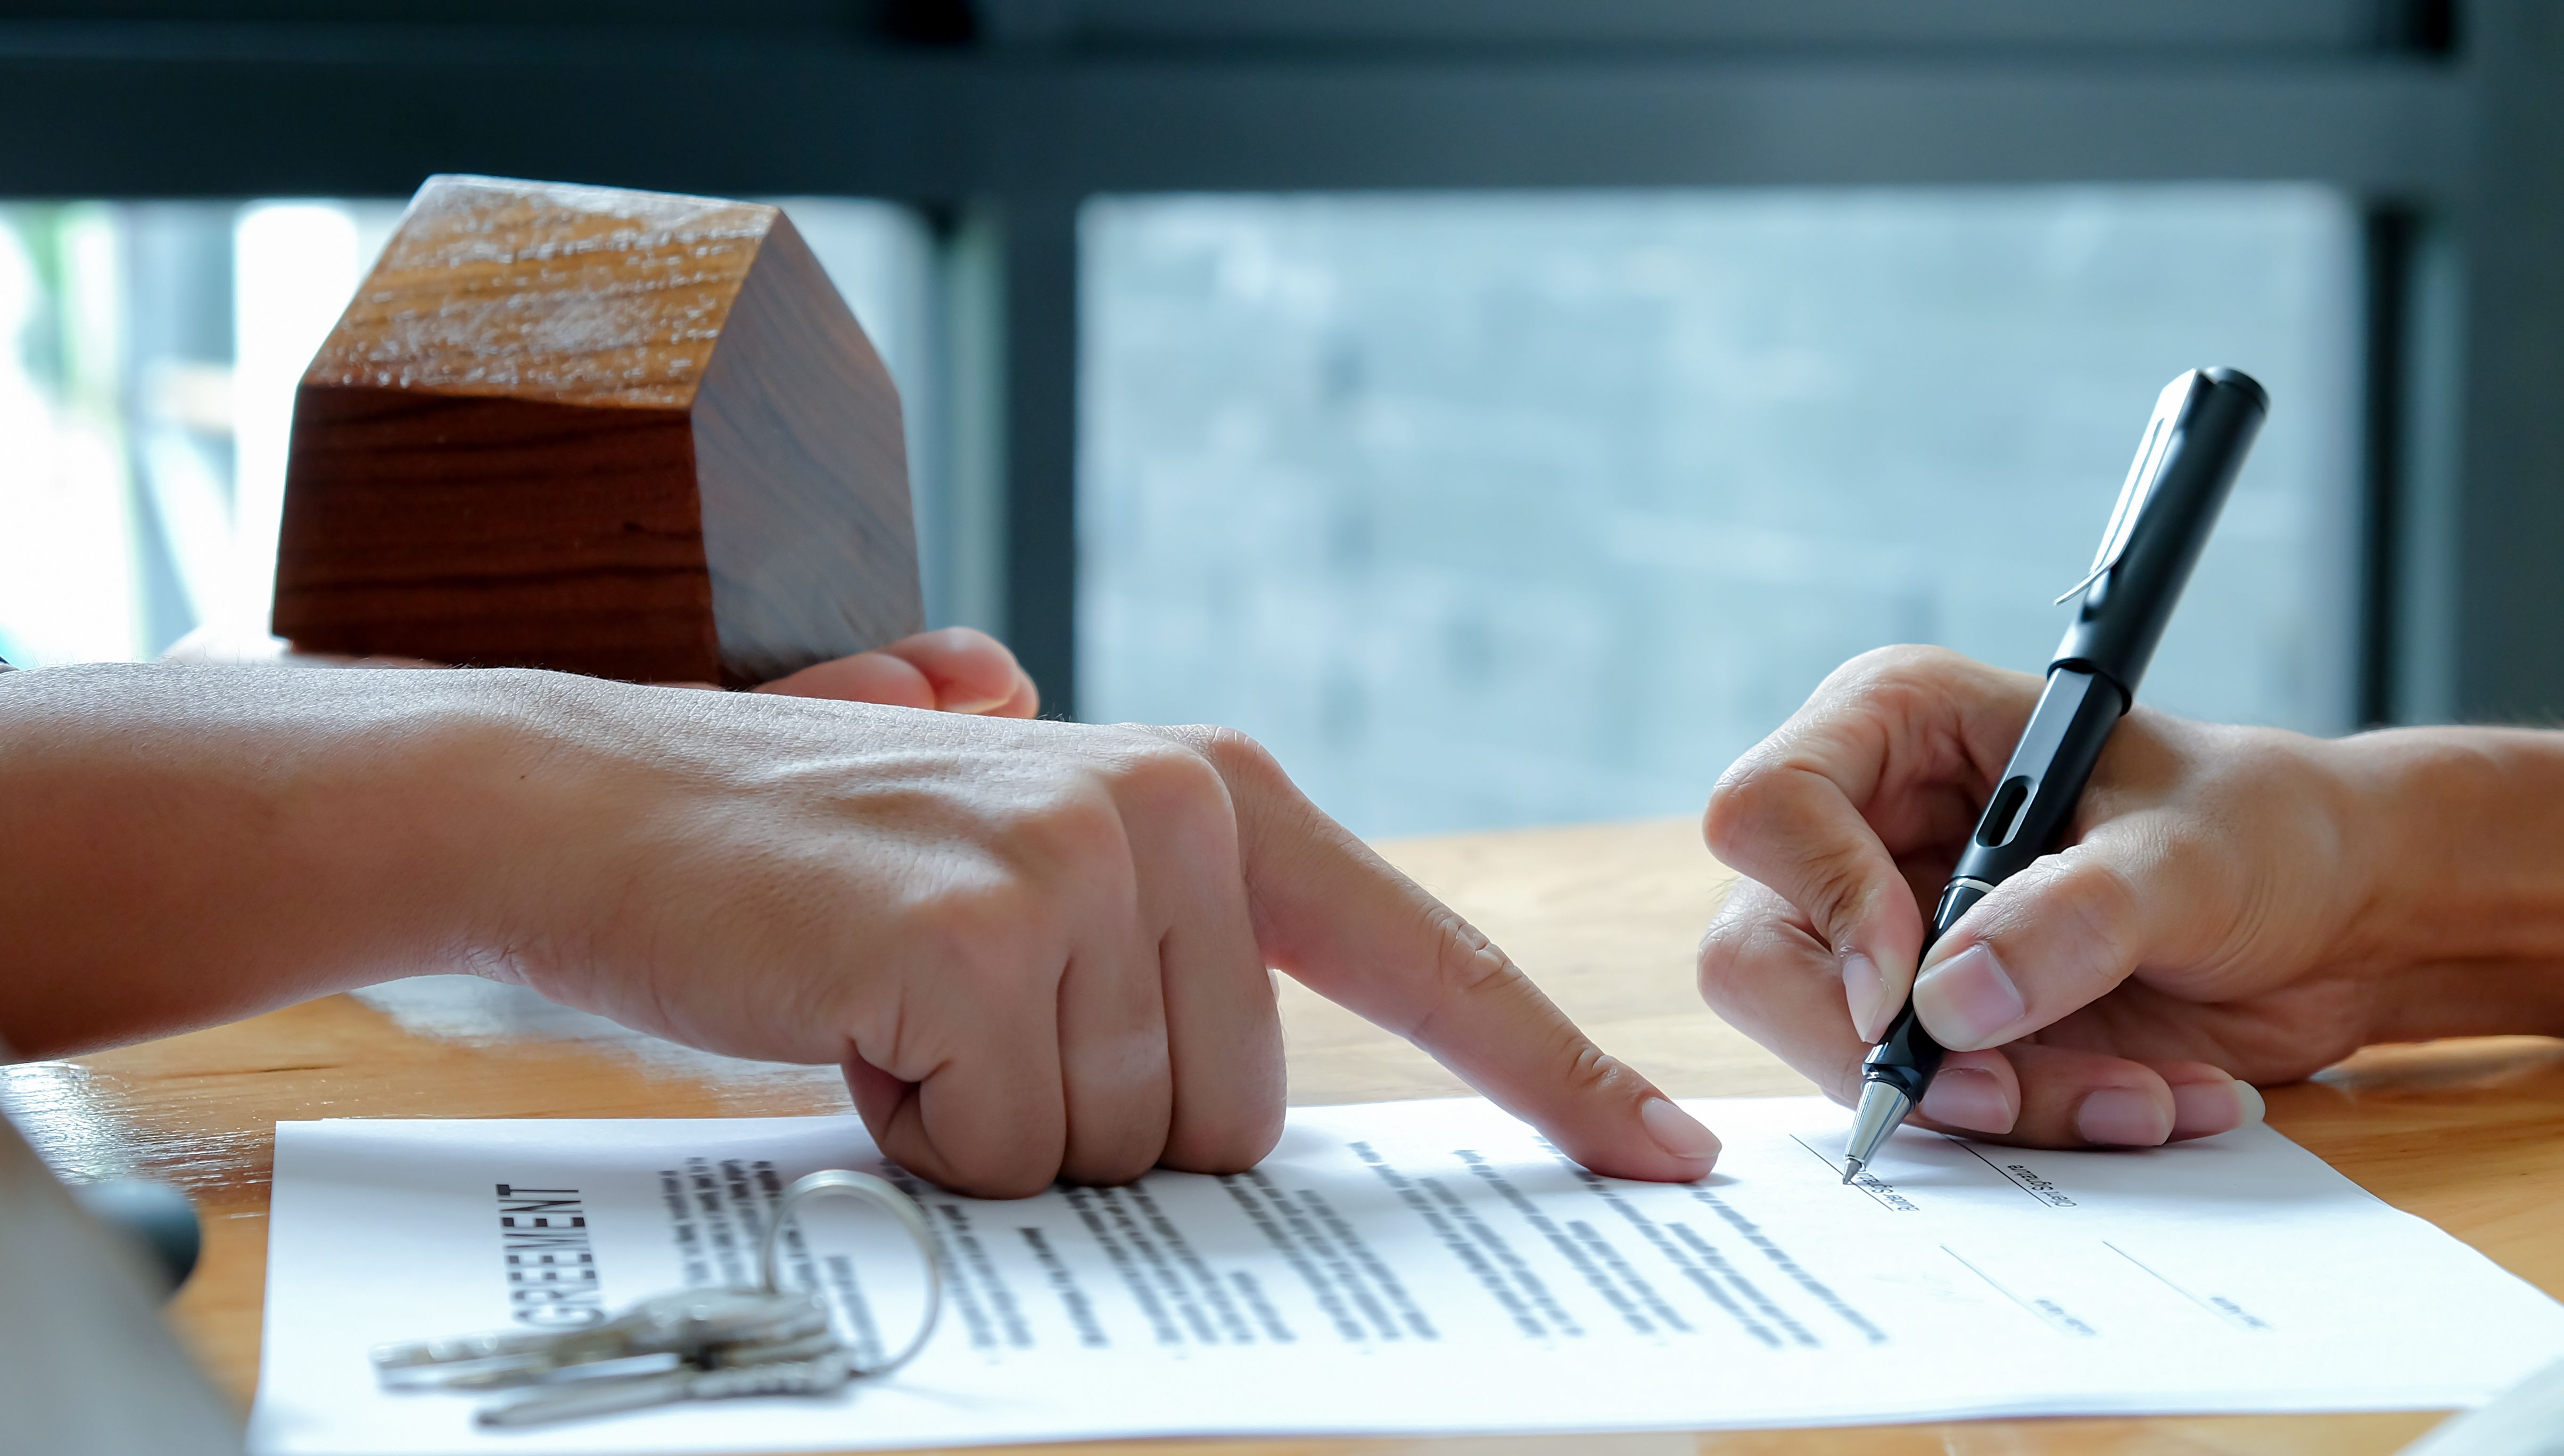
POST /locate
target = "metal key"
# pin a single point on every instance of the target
(668, 1328)
(809, 1376)
(693, 1345)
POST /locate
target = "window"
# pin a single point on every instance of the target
(1490, 509)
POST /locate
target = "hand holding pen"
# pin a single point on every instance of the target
(1864, 804)
(2187, 460)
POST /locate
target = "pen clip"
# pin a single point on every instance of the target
(2162, 433)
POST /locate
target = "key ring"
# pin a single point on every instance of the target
(880, 1193)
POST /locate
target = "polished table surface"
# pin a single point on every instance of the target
(2470, 1135)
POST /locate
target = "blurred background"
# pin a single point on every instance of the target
(1507, 411)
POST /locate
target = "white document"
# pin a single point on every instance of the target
(1397, 1268)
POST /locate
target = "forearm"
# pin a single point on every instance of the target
(2463, 848)
(182, 846)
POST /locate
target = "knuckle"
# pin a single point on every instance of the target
(1888, 679)
(2091, 906)
(975, 1167)
(1739, 807)
(1907, 684)
(1745, 957)
(1910, 687)
(1068, 837)
(1839, 1081)
(1905, 663)
(1758, 810)
(1232, 1143)
(1171, 784)
(1232, 1114)
(1592, 1073)
(984, 931)
(1834, 886)
(1232, 1149)
(1471, 964)
(2103, 893)
(1238, 758)
(1206, 783)
(1830, 887)
(954, 640)
(1467, 968)
(1250, 1132)
(1723, 960)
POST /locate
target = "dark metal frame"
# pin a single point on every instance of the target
(1001, 117)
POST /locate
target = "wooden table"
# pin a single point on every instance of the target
(2470, 1135)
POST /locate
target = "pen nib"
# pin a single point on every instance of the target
(1852, 1168)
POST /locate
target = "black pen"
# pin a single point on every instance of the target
(2202, 423)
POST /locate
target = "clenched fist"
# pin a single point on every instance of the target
(1040, 950)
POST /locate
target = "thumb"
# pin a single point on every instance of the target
(955, 669)
(1339, 919)
(972, 671)
(2061, 933)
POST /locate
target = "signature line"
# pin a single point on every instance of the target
(2007, 1178)
(2221, 1315)
(2026, 1307)
(1835, 1167)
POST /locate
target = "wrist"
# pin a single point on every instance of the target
(2458, 912)
(186, 846)
(582, 805)
(515, 803)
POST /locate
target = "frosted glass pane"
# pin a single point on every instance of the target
(1489, 509)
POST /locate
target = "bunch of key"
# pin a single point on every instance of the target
(690, 1345)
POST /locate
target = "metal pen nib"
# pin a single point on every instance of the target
(1882, 1108)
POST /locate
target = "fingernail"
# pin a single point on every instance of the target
(1677, 1133)
(1863, 989)
(1964, 1097)
(2206, 1108)
(1967, 1000)
(2121, 1117)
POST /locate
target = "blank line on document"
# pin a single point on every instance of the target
(2046, 1311)
(2224, 1309)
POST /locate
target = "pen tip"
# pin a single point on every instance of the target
(1852, 1168)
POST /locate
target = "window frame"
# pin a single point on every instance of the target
(999, 118)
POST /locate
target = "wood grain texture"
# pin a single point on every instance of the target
(2468, 1134)
(794, 395)
(618, 433)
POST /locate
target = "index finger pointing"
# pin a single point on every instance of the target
(1336, 916)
